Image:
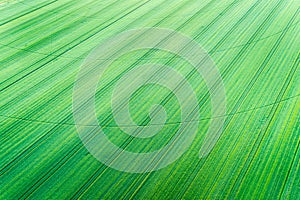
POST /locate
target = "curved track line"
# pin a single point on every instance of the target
(156, 58)
(170, 123)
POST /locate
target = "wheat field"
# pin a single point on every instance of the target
(255, 46)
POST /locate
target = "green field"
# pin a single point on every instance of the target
(255, 45)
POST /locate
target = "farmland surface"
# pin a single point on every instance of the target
(255, 45)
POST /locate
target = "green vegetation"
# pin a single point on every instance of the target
(255, 45)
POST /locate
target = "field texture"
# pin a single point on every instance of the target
(255, 45)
